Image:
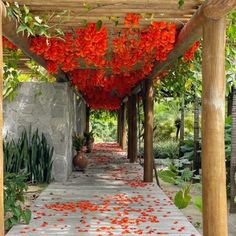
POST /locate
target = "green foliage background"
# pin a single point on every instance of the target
(104, 125)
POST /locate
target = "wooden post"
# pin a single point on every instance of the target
(213, 118)
(123, 129)
(87, 119)
(118, 126)
(148, 132)
(1, 125)
(132, 129)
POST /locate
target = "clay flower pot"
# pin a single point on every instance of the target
(80, 161)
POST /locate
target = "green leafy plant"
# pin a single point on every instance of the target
(14, 188)
(198, 202)
(183, 197)
(168, 176)
(33, 25)
(40, 161)
(78, 142)
(164, 149)
(89, 137)
(31, 155)
(104, 125)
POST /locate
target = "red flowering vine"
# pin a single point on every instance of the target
(113, 73)
(8, 44)
(189, 54)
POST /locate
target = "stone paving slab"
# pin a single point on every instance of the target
(109, 199)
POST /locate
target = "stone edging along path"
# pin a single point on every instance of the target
(108, 199)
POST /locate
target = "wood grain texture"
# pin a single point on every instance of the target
(123, 126)
(148, 132)
(132, 129)
(213, 118)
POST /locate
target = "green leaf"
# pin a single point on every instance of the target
(167, 176)
(26, 9)
(26, 216)
(183, 197)
(198, 202)
(99, 25)
(181, 3)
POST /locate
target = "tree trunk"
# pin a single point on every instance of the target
(233, 157)
(196, 158)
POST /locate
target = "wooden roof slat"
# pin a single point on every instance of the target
(92, 2)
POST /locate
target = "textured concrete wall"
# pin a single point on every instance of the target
(55, 111)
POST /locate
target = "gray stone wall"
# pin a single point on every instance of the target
(53, 108)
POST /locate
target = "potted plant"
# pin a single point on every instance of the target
(79, 159)
(89, 140)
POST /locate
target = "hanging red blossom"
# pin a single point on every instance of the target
(115, 72)
(132, 19)
(189, 54)
(8, 44)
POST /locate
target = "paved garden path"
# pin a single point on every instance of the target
(109, 199)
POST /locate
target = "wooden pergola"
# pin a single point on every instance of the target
(196, 19)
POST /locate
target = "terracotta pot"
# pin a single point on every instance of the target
(90, 147)
(80, 161)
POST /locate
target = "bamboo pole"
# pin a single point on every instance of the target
(148, 132)
(132, 129)
(1, 125)
(213, 115)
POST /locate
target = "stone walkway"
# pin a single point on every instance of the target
(109, 199)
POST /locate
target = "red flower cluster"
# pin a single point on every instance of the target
(132, 19)
(115, 73)
(8, 44)
(88, 44)
(189, 54)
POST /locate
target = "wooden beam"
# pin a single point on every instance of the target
(1, 135)
(132, 129)
(23, 42)
(213, 118)
(148, 132)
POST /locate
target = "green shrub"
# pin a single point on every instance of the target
(14, 213)
(164, 149)
(31, 155)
